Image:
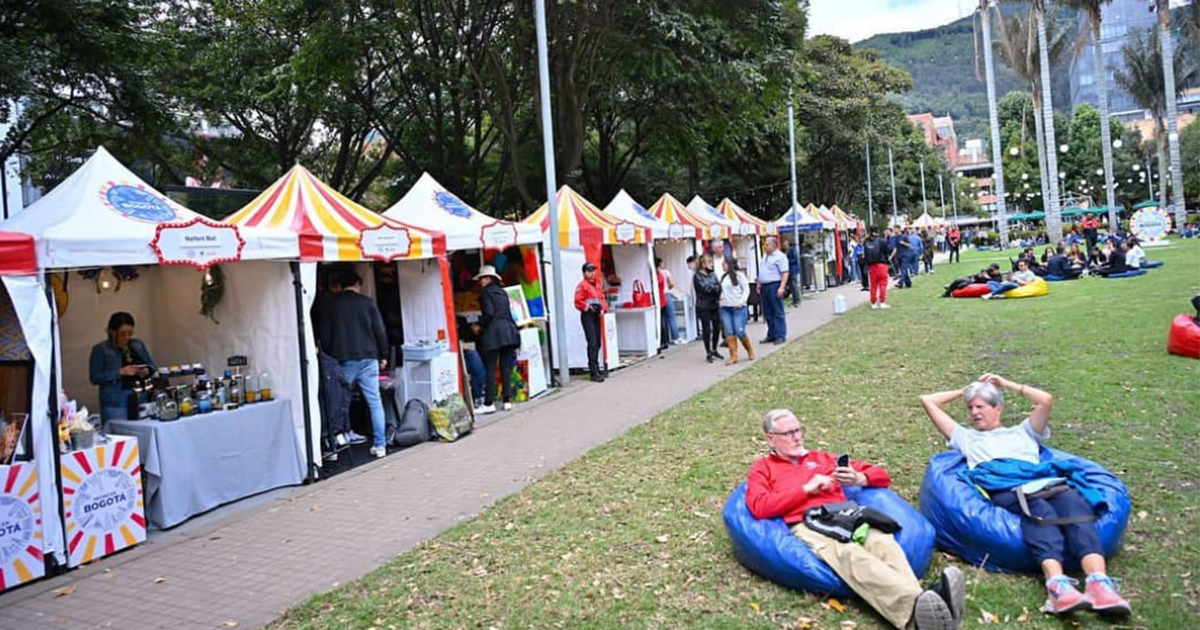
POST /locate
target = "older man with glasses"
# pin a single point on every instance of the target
(792, 480)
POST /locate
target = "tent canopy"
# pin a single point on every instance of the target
(430, 206)
(926, 221)
(803, 220)
(705, 211)
(101, 215)
(845, 221)
(580, 222)
(822, 214)
(624, 208)
(319, 223)
(750, 224)
(671, 210)
(17, 254)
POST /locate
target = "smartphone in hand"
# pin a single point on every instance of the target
(843, 460)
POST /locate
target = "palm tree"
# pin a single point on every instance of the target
(994, 122)
(1092, 8)
(1053, 218)
(1166, 42)
(1144, 79)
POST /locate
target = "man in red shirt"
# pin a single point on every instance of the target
(792, 480)
(589, 301)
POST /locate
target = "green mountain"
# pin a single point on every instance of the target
(942, 64)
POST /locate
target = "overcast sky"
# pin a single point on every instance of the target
(859, 19)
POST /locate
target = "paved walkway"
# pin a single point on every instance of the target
(246, 569)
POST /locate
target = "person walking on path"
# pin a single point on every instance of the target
(735, 291)
(793, 258)
(707, 287)
(499, 339)
(860, 259)
(953, 241)
(772, 283)
(927, 251)
(878, 255)
(589, 301)
(792, 480)
(352, 333)
(666, 285)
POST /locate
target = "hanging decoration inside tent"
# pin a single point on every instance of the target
(212, 291)
(109, 279)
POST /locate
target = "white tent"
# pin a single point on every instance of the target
(926, 221)
(103, 215)
(429, 205)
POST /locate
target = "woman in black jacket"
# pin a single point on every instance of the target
(499, 339)
(708, 295)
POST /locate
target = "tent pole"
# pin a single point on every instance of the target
(309, 470)
(52, 566)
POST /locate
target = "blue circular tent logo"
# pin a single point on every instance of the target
(138, 204)
(645, 214)
(448, 202)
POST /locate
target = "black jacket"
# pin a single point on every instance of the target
(350, 327)
(876, 251)
(708, 291)
(499, 330)
(1060, 266)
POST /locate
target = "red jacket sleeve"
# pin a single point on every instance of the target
(764, 499)
(876, 476)
(581, 296)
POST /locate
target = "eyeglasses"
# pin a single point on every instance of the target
(793, 434)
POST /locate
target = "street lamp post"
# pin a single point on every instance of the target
(870, 199)
(942, 195)
(892, 177)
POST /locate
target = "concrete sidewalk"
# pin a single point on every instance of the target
(253, 565)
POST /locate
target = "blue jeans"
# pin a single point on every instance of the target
(475, 371)
(1000, 287)
(908, 268)
(733, 320)
(1054, 542)
(365, 372)
(773, 311)
(669, 314)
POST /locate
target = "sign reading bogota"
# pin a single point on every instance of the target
(1150, 224)
(199, 243)
(385, 242)
(626, 232)
(20, 526)
(498, 235)
(102, 500)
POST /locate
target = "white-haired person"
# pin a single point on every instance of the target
(792, 480)
(1057, 518)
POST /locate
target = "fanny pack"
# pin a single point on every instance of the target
(1046, 493)
(841, 520)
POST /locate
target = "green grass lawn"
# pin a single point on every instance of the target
(631, 536)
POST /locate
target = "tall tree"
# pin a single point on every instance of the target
(1094, 11)
(1053, 216)
(1167, 42)
(993, 120)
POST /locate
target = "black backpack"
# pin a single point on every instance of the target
(413, 427)
(873, 251)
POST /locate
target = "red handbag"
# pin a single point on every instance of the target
(641, 297)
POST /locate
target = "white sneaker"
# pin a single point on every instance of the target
(884, 305)
(680, 342)
(378, 451)
(874, 306)
(485, 409)
(508, 406)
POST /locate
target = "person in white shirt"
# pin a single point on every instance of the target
(1048, 543)
(735, 292)
(1019, 278)
(1135, 256)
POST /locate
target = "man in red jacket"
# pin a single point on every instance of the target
(792, 480)
(589, 301)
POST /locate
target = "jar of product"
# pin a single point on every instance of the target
(187, 406)
(265, 386)
(204, 402)
(251, 388)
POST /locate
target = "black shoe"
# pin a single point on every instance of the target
(779, 342)
(951, 587)
(718, 355)
(597, 377)
(766, 340)
(709, 358)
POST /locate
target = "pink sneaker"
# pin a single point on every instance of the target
(1101, 593)
(1063, 598)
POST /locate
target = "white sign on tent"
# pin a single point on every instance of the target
(199, 243)
(384, 242)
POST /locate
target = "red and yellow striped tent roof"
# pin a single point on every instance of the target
(757, 226)
(328, 225)
(581, 223)
(671, 210)
(845, 221)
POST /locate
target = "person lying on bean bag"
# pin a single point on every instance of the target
(985, 275)
(804, 487)
(1057, 507)
(1019, 278)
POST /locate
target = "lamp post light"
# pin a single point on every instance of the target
(1014, 151)
(1117, 143)
(1062, 148)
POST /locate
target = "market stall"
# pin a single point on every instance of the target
(620, 250)
(405, 268)
(750, 229)
(30, 523)
(805, 230)
(731, 228)
(673, 243)
(108, 243)
(474, 239)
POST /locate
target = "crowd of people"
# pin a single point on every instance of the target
(902, 254)
(804, 486)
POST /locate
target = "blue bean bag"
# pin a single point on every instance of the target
(1152, 265)
(768, 548)
(971, 527)
(1128, 274)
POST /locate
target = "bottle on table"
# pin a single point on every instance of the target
(251, 388)
(265, 386)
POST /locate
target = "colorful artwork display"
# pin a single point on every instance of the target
(102, 500)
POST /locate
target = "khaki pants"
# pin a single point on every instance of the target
(877, 571)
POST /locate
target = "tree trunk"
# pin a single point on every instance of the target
(1168, 57)
(1163, 199)
(994, 121)
(1053, 218)
(1101, 74)
(1039, 130)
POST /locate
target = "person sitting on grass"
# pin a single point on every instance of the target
(792, 480)
(1135, 256)
(1057, 517)
(1061, 266)
(1019, 278)
(1115, 258)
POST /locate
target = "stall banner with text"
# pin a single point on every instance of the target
(498, 235)
(384, 243)
(20, 526)
(102, 500)
(199, 243)
(1150, 224)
